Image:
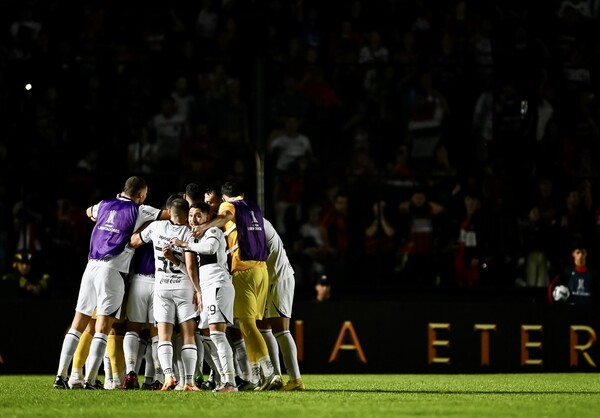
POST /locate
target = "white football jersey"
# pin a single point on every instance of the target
(278, 264)
(168, 275)
(212, 258)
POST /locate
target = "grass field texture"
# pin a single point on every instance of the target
(483, 395)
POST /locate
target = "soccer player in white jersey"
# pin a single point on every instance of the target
(102, 284)
(140, 312)
(217, 289)
(275, 327)
(177, 297)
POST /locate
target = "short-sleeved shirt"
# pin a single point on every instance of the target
(278, 263)
(168, 275)
(212, 256)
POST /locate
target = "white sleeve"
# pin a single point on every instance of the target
(95, 209)
(145, 234)
(149, 213)
(209, 244)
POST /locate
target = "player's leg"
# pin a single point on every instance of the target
(249, 306)
(189, 354)
(279, 312)
(80, 355)
(236, 340)
(114, 350)
(219, 308)
(110, 290)
(264, 326)
(289, 352)
(70, 343)
(131, 348)
(86, 302)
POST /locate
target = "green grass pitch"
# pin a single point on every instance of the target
(428, 395)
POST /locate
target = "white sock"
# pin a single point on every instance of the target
(225, 354)
(212, 359)
(266, 365)
(107, 368)
(239, 347)
(289, 352)
(97, 350)
(158, 374)
(118, 378)
(165, 356)
(255, 374)
(189, 357)
(67, 351)
(76, 374)
(272, 347)
(131, 346)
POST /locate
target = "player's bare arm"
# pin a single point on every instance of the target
(136, 240)
(219, 221)
(192, 270)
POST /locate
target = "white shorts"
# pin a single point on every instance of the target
(140, 302)
(174, 306)
(217, 304)
(102, 288)
(280, 298)
(203, 319)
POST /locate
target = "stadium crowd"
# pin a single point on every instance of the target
(426, 144)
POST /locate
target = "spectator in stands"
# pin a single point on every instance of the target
(185, 101)
(575, 218)
(418, 216)
(322, 289)
(142, 153)
(579, 277)
(469, 258)
(374, 51)
(286, 102)
(334, 232)
(289, 146)
(310, 247)
(535, 237)
(29, 280)
(428, 108)
(380, 244)
(168, 129)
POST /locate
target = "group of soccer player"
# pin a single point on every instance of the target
(208, 280)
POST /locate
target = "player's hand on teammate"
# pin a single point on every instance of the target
(168, 254)
(199, 230)
(178, 243)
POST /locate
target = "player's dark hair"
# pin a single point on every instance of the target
(201, 206)
(231, 189)
(171, 198)
(134, 185)
(213, 190)
(194, 192)
(179, 206)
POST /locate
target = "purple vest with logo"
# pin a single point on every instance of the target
(250, 227)
(114, 226)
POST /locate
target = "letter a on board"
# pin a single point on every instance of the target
(347, 329)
